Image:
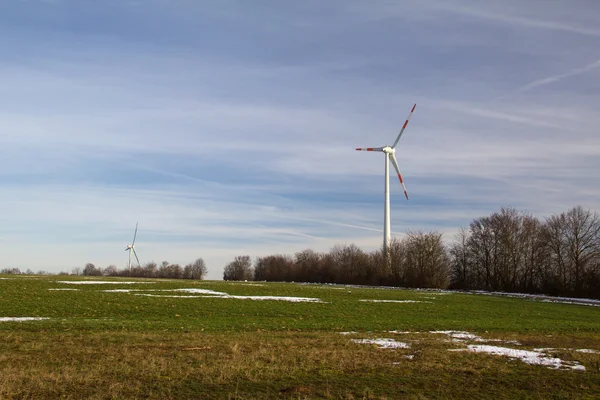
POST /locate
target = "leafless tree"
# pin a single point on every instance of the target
(461, 263)
(273, 268)
(573, 240)
(239, 269)
(196, 270)
(91, 270)
(427, 260)
(111, 270)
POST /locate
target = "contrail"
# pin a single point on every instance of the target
(555, 78)
(324, 222)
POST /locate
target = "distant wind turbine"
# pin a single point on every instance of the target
(131, 248)
(389, 152)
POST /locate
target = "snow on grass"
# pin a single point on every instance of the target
(245, 284)
(541, 297)
(383, 343)
(205, 293)
(21, 319)
(102, 282)
(198, 291)
(181, 296)
(278, 298)
(394, 301)
(588, 351)
(218, 295)
(576, 302)
(69, 289)
(526, 356)
(461, 336)
(555, 349)
(349, 333)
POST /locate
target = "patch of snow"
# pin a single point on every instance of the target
(219, 295)
(245, 284)
(526, 356)
(71, 289)
(348, 333)
(280, 298)
(168, 295)
(383, 343)
(409, 356)
(394, 301)
(541, 297)
(589, 351)
(571, 302)
(199, 291)
(227, 296)
(461, 336)
(401, 332)
(103, 282)
(21, 319)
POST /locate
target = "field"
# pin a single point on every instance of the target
(118, 338)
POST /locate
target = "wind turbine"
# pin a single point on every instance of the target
(389, 152)
(131, 248)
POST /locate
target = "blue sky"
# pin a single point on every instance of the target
(228, 127)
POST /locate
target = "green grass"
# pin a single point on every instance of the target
(99, 344)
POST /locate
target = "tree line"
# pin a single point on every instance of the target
(196, 270)
(509, 251)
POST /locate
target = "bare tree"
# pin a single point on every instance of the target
(111, 270)
(91, 270)
(461, 263)
(273, 268)
(196, 270)
(573, 240)
(239, 269)
(427, 260)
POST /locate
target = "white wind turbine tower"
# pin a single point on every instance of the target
(131, 248)
(389, 152)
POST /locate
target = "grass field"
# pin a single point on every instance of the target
(210, 339)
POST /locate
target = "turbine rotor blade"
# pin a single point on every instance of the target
(136, 257)
(404, 126)
(135, 234)
(369, 149)
(395, 163)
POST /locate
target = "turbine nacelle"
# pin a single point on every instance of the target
(388, 150)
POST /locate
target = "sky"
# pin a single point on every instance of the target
(228, 127)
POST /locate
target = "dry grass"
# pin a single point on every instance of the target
(266, 365)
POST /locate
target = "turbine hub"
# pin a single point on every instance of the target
(388, 150)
